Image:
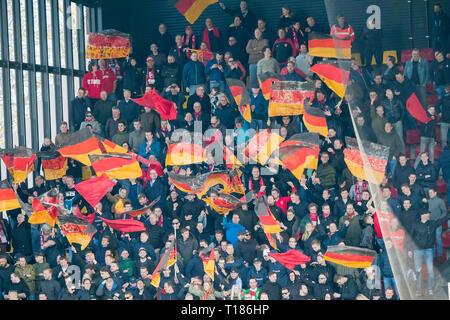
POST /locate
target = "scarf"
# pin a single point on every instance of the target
(351, 216)
(150, 75)
(294, 33)
(358, 192)
(313, 217)
(186, 39)
(206, 36)
(326, 215)
(160, 222)
(250, 183)
(196, 115)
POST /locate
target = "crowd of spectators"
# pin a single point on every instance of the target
(328, 204)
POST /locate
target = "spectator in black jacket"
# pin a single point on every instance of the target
(170, 72)
(440, 28)
(428, 134)
(21, 236)
(248, 18)
(372, 38)
(444, 113)
(402, 172)
(424, 235)
(346, 287)
(426, 172)
(132, 77)
(78, 108)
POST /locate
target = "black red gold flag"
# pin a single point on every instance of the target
(373, 169)
(181, 153)
(168, 259)
(19, 161)
(261, 146)
(299, 152)
(334, 73)
(116, 165)
(81, 144)
(8, 199)
(241, 97)
(315, 120)
(192, 9)
(324, 45)
(53, 163)
(286, 97)
(352, 257)
(270, 225)
(77, 230)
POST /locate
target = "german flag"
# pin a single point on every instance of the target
(324, 45)
(116, 165)
(108, 44)
(168, 259)
(226, 202)
(8, 199)
(192, 9)
(335, 74)
(95, 188)
(272, 241)
(81, 144)
(19, 161)
(241, 97)
(125, 225)
(231, 160)
(236, 185)
(181, 153)
(200, 184)
(266, 81)
(300, 152)
(286, 97)
(352, 257)
(373, 167)
(138, 212)
(77, 230)
(53, 163)
(111, 147)
(262, 210)
(314, 120)
(261, 146)
(41, 214)
(291, 258)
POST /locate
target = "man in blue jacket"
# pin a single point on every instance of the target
(193, 74)
(259, 107)
(150, 147)
(232, 228)
(215, 69)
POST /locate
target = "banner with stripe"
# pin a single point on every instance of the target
(374, 167)
(266, 80)
(19, 161)
(116, 165)
(168, 259)
(315, 120)
(352, 257)
(324, 45)
(8, 199)
(270, 225)
(286, 97)
(241, 97)
(77, 230)
(108, 44)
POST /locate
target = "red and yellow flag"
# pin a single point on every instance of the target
(231, 160)
(81, 144)
(261, 146)
(241, 97)
(291, 258)
(300, 152)
(352, 257)
(192, 9)
(116, 165)
(95, 188)
(181, 153)
(323, 45)
(286, 97)
(374, 167)
(8, 199)
(209, 265)
(19, 162)
(335, 74)
(41, 214)
(315, 120)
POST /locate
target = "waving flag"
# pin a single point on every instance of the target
(19, 161)
(272, 241)
(81, 144)
(192, 9)
(324, 45)
(352, 257)
(125, 225)
(180, 154)
(231, 160)
(241, 97)
(266, 80)
(77, 230)
(335, 74)
(111, 147)
(226, 202)
(41, 214)
(314, 120)
(414, 106)
(8, 199)
(300, 152)
(270, 225)
(143, 210)
(261, 146)
(108, 44)
(168, 259)
(116, 165)
(165, 108)
(291, 258)
(53, 163)
(209, 265)
(94, 189)
(286, 97)
(373, 169)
